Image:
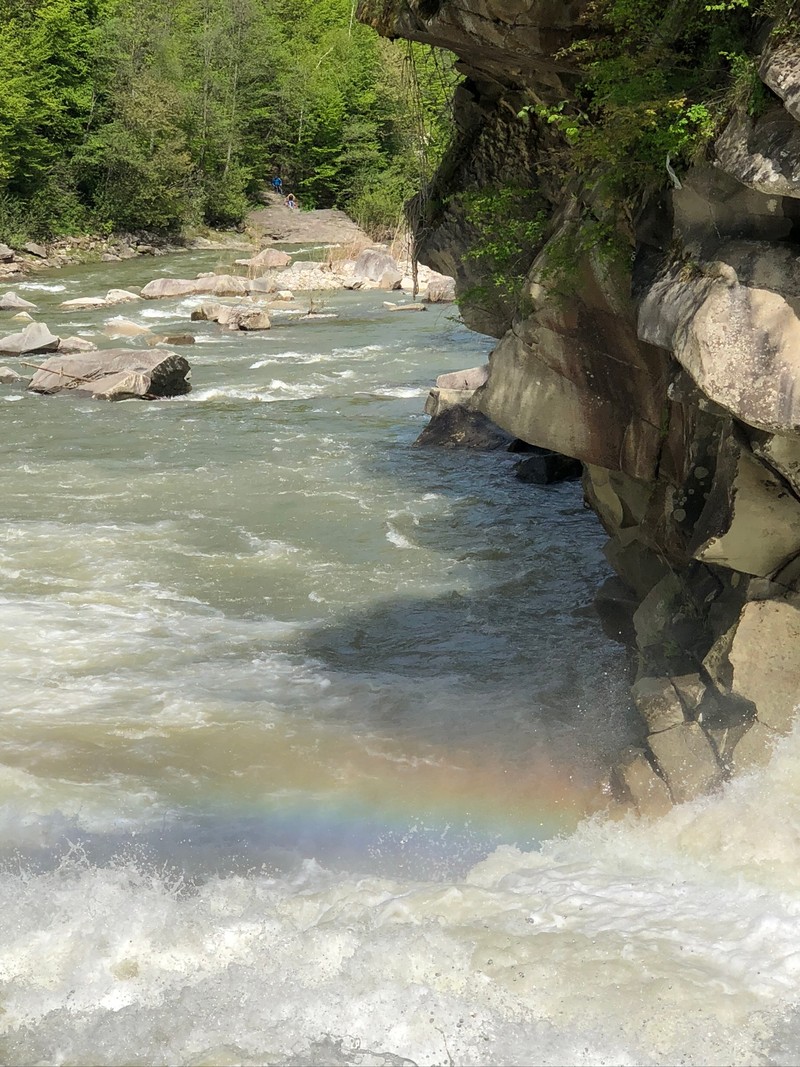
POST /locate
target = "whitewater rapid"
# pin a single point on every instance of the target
(305, 734)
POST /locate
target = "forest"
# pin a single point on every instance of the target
(154, 115)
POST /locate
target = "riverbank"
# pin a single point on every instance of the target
(263, 226)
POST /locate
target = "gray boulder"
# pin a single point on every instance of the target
(11, 302)
(780, 70)
(235, 318)
(375, 266)
(268, 259)
(34, 249)
(214, 284)
(8, 376)
(763, 155)
(118, 374)
(34, 338)
(764, 657)
(6, 254)
(441, 290)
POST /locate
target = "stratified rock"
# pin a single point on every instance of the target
(216, 284)
(8, 376)
(11, 302)
(546, 468)
(687, 760)
(6, 254)
(117, 374)
(34, 249)
(34, 338)
(750, 522)
(765, 661)
(639, 782)
(658, 703)
(763, 154)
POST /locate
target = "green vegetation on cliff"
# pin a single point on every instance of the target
(140, 114)
(658, 81)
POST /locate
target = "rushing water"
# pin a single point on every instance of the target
(303, 729)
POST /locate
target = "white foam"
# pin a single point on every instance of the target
(396, 538)
(616, 945)
(401, 392)
(44, 287)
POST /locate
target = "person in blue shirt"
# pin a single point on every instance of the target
(277, 184)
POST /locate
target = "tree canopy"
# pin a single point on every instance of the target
(140, 114)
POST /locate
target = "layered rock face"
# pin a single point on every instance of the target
(675, 380)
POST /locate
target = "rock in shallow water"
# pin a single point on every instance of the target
(118, 374)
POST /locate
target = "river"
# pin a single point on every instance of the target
(305, 729)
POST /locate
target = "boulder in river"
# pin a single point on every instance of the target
(121, 327)
(11, 302)
(8, 376)
(34, 338)
(268, 259)
(121, 296)
(171, 339)
(83, 303)
(375, 268)
(235, 318)
(214, 284)
(118, 374)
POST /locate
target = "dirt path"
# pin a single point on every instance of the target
(276, 222)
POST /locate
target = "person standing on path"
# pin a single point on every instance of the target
(277, 184)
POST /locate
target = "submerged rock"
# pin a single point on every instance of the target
(118, 374)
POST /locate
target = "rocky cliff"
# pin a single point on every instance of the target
(672, 373)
